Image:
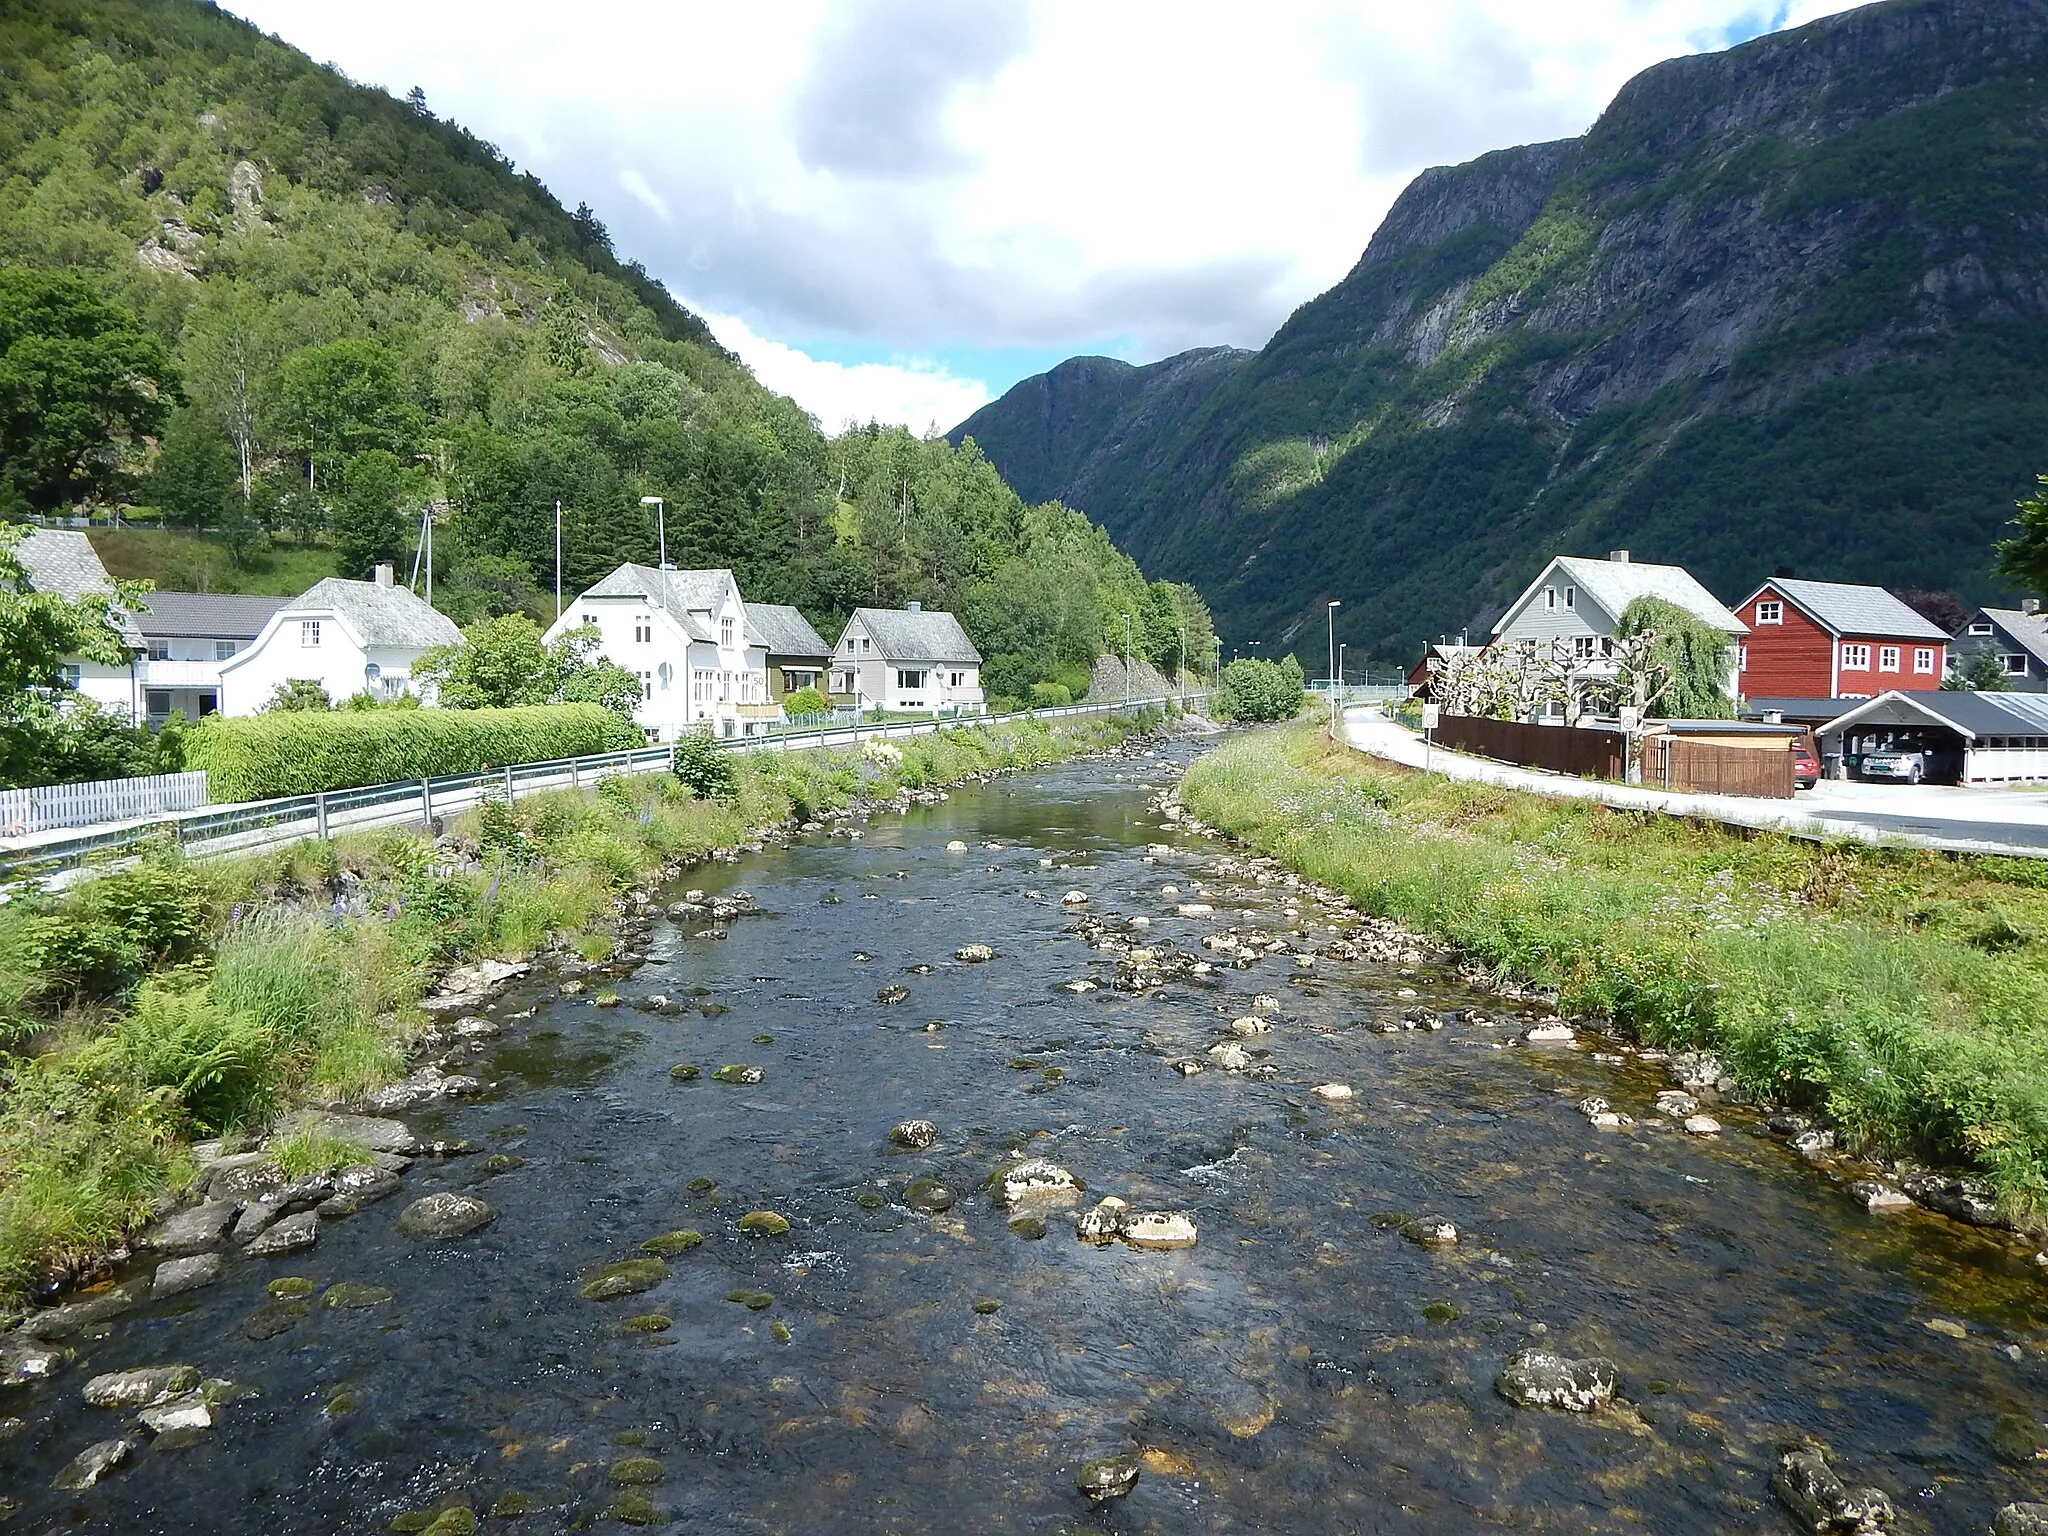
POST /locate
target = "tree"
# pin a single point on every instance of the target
(193, 481)
(588, 679)
(1693, 655)
(298, 693)
(81, 384)
(590, 230)
(501, 662)
(346, 398)
(1982, 671)
(1255, 692)
(2025, 557)
(369, 520)
(1944, 610)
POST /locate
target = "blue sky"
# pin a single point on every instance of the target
(899, 208)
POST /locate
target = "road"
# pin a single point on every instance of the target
(2009, 821)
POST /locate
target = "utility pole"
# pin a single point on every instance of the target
(1330, 614)
(661, 540)
(1183, 660)
(1127, 658)
(558, 562)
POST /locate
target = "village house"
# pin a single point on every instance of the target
(350, 637)
(907, 661)
(1581, 602)
(63, 562)
(188, 637)
(2019, 639)
(1835, 640)
(686, 636)
(797, 653)
(1422, 676)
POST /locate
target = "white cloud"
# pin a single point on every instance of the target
(917, 174)
(913, 394)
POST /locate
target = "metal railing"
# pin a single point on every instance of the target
(256, 825)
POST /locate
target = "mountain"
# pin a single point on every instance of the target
(372, 312)
(1784, 306)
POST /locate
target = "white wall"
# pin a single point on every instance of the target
(877, 684)
(705, 683)
(337, 663)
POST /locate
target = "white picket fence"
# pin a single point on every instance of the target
(52, 806)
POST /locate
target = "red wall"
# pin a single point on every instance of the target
(1794, 660)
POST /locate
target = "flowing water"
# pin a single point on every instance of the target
(1303, 1368)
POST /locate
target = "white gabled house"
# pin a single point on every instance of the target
(905, 660)
(64, 562)
(347, 636)
(1582, 601)
(190, 636)
(686, 636)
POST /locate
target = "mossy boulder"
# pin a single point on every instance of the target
(509, 1506)
(684, 1072)
(290, 1287)
(502, 1162)
(737, 1072)
(350, 1297)
(764, 1224)
(635, 1509)
(647, 1322)
(669, 1244)
(753, 1301)
(636, 1472)
(268, 1321)
(628, 1277)
(928, 1195)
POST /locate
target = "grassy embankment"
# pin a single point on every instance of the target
(199, 562)
(1903, 993)
(175, 1000)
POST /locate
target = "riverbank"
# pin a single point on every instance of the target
(1902, 995)
(173, 1002)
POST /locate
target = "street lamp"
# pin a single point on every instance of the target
(1330, 613)
(661, 538)
(1127, 658)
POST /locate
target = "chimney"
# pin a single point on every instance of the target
(2030, 605)
(1618, 556)
(384, 575)
(913, 606)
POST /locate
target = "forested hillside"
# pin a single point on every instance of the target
(1785, 306)
(363, 311)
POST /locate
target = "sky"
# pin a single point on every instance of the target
(896, 209)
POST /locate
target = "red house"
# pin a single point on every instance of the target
(1831, 640)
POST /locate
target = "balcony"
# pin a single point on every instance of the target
(181, 674)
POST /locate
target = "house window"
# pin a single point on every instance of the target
(223, 649)
(842, 682)
(309, 632)
(849, 645)
(643, 629)
(2015, 663)
(1549, 598)
(864, 646)
(1584, 647)
(646, 684)
(1770, 613)
(1742, 658)
(725, 687)
(1571, 597)
(69, 674)
(1887, 658)
(909, 679)
(956, 679)
(1855, 658)
(1923, 658)
(725, 631)
(157, 700)
(590, 621)
(159, 650)
(1980, 629)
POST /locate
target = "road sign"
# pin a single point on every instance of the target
(1431, 715)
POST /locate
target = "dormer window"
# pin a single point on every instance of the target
(309, 633)
(725, 633)
(643, 629)
(1770, 613)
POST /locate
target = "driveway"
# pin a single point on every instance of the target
(2013, 821)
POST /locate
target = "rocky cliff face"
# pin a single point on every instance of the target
(1780, 306)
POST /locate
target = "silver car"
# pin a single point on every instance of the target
(1900, 766)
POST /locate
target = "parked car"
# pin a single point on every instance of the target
(1805, 768)
(1897, 764)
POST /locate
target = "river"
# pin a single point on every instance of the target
(1302, 1368)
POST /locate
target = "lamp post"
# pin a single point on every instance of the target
(1330, 613)
(1127, 658)
(558, 562)
(1183, 661)
(661, 540)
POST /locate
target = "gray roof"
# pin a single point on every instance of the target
(1974, 714)
(1849, 609)
(785, 632)
(205, 615)
(678, 592)
(1799, 709)
(1614, 584)
(63, 562)
(2029, 631)
(901, 636)
(381, 615)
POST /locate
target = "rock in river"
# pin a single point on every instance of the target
(737, 1072)
(892, 994)
(445, 1214)
(764, 1224)
(628, 1277)
(1102, 1224)
(186, 1411)
(1159, 1229)
(1034, 1183)
(973, 954)
(192, 1230)
(1107, 1477)
(186, 1274)
(1820, 1501)
(22, 1363)
(915, 1134)
(1431, 1232)
(287, 1236)
(355, 1187)
(1537, 1379)
(1333, 1092)
(93, 1463)
(140, 1389)
(2021, 1520)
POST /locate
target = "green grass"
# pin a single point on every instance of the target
(172, 1000)
(1904, 994)
(200, 562)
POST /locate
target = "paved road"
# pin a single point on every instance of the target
(2011, 821)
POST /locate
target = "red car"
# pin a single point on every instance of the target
(1805, 771)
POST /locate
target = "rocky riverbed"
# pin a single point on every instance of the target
(1033, 1162)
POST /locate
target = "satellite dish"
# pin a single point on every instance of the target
(371, 672)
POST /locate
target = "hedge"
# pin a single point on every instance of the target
(256, 757)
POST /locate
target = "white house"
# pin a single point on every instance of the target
(685, 635)
(65, 563)
(344, 635)
(188, 637)
(905, 660)
(1582, 601)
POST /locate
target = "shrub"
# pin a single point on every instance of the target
(1004, 704)
(220, 1064)
(805, 701)
(255, 757)
(1255, 692)
(705, 768)
(1050, 695)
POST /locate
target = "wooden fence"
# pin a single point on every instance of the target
(1587, 751)
(52, 806)
(1709, 768)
